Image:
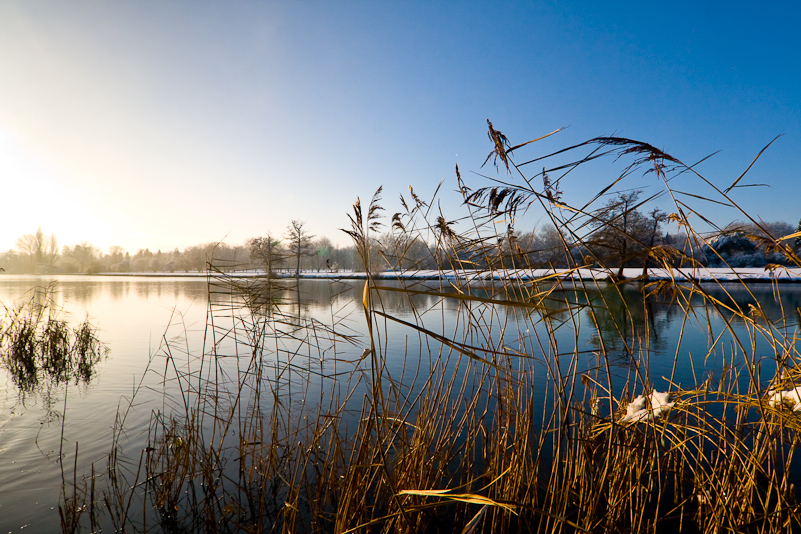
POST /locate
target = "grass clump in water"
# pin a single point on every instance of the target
(37, 343)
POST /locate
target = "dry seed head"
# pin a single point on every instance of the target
(420, 203)
(444, 228)
(396, 222)
(501, 144)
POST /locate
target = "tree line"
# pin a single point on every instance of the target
(40, 253)
(625, 236)
(619, 235)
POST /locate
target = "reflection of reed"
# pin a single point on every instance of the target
(39, 348)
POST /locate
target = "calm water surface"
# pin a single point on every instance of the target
(131, 314)
(135, 314)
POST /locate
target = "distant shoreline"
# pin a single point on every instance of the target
(716, 274)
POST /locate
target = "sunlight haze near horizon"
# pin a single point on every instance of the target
(168, 124)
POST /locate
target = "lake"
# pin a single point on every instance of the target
(135, 316)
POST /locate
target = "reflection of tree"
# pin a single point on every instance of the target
(624, 319)
(625, 322)
(779, 307)
(262, 295)
(628, 321)
(84, 291)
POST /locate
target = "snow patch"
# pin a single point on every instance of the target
(644, 408)
(791, 398)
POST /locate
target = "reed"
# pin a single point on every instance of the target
(286, 423)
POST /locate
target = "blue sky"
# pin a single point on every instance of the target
(167, 124)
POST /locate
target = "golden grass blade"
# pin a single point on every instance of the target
(472, 525)
(734, 184)
(469, 498)
(509, 151)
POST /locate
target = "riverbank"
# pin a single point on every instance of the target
(720, 274)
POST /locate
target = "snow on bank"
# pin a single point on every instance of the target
(749, 274)
(710, 274)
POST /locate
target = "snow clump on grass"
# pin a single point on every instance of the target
(791, 398)
(644, 408)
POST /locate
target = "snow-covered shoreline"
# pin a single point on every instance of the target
(719, 274)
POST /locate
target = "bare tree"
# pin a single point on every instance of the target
(218, 256)
(621, 229)
(41, 250)
(322, 249)
(544, 246)
(83, 256)
(299, 242)
(655, 222)
(402, 251)
(267, 251)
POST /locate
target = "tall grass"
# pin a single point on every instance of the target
(498, 422)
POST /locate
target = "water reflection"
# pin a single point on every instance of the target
(41, 350)
(616, 329)
(132, 314)
(628, 319)
(778, 305)
(45, 413)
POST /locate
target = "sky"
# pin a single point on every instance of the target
(162, 125)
